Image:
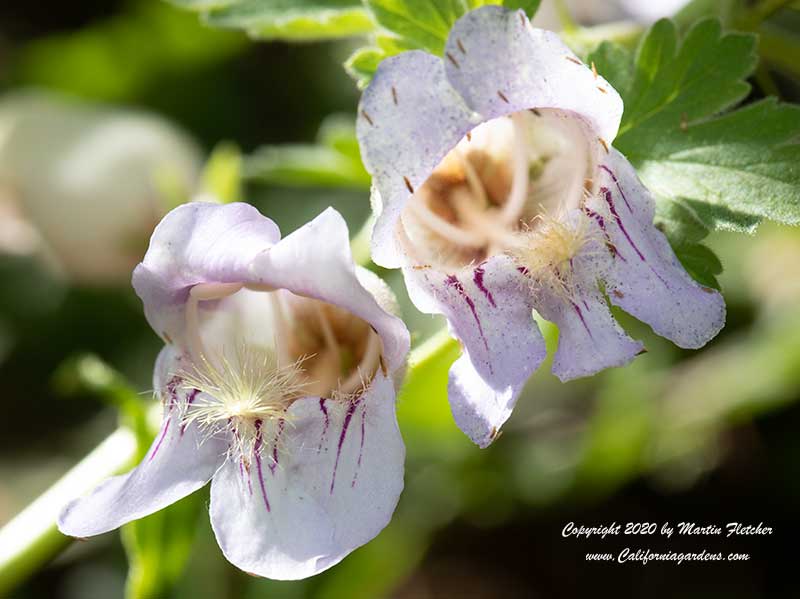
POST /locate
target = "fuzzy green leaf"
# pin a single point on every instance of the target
(725, 170)
(697, 78)
(745, 162)
(701, 263)
(334, 161)
(285, 19)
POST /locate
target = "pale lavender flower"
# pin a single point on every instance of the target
(498, 192)
(278, 385)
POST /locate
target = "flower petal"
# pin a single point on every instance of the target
(645, 278)
(315, 261)
(500, 64)
(589, 338)
(328, 483)
(488, 308)
(478, 409)
(198, 242)
(409, 118)
(179, 462)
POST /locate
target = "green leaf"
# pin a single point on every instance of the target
(703, 77)
(745, 163)
(615, 63)
(421, 23)
(416, 25)
(334, 161)
(700, 262)
(529, 6)
(679, 222)
(720, 218)
(362, 64)
(714, 169)
(285, 19)
(684, 229)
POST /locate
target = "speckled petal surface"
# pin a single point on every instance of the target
(589, 338)
(326, 482)
(646, 279)
(409, 118)
(489, 309)
(499, 64)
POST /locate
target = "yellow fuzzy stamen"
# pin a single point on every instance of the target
(546, 250)
(243, 394)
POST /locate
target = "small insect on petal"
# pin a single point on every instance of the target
(452, 59)
(575, 60)
(502, 96)
(394, 95)
(408, 185)
(461, 46)
(604, 143)
(594, 70)
(366, 116)
(605, 91)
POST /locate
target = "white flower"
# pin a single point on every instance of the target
(498, 192)
(278, 385)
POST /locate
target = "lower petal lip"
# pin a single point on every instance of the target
(338, 461)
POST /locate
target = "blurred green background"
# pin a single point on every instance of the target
(707, 436)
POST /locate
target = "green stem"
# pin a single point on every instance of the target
(31, 539)
(766, 83)
(429, 350)
(779, 49)
(762, 11)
